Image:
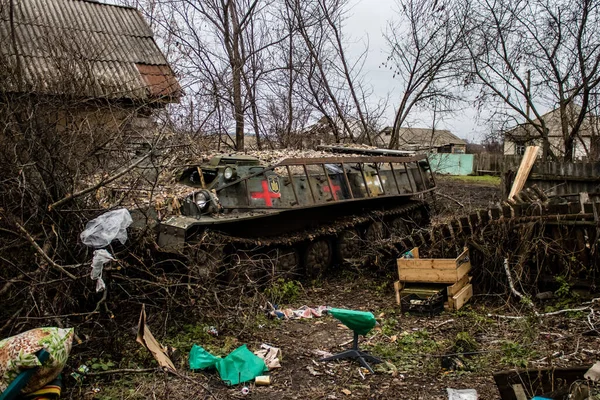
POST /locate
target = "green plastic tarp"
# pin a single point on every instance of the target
(202, 359)
(360, 322)
(241, 365)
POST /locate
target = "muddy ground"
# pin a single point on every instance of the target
(412, 347)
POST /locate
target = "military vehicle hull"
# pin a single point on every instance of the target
(299, 216)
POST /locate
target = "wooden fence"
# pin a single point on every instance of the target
(554, 178)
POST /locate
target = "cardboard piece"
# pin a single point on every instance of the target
(146, 339)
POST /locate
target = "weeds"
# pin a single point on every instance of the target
(516, 354)
(283, 291)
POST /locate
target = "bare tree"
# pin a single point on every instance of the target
(527, 57)
(424, 48)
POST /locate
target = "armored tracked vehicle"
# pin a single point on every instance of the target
(300, 215)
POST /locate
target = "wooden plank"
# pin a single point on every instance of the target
(454, 289)
(421, 291)
(398, 288)
(427, 263)
(462, 271)
(415, 252)
(519, 392)
(431, 275)
(524, 169)
(462, 297)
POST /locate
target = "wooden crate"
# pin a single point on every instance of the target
(461, 298)
(434, 270)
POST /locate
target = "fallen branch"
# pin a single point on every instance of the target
(187, 378)
(123, 371)
(99, 184)
(451, 199)
(548, 314)
(43, 253)
(514, 290)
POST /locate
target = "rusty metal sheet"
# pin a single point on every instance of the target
(159, 80)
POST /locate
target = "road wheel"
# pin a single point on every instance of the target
(374, 232)
(348, 244)
(398, 227)
(317, 258)
(286, 263)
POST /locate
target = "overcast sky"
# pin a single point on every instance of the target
(366, 23)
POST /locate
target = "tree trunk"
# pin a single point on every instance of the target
(569, 147)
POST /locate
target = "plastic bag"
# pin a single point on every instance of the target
(462, 394)
(239, 366)
(101, 231)
(101, 257)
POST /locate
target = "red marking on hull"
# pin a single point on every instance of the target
(335, 188)
(266, 194)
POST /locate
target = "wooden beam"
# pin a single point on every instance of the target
(524, 169)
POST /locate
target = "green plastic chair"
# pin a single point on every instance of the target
(361, 323)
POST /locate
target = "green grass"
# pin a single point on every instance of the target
(473, 179)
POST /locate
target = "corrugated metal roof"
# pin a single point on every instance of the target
(85, 48)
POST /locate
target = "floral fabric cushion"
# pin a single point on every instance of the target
(17, 353)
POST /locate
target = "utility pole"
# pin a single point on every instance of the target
(528, 95)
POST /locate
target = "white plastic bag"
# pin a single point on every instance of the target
(101, 231)
(101, 257)
(462, 394)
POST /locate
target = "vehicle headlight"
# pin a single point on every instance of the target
(229, 173)
(201, 199)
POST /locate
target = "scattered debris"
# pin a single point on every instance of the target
(262, 380)
(100, 232)
(462, 394)
(100, 258)
(453, 363)
(211, 330)
(312, 371)
(322, 353)
(302, 312)
(270, 355)
(346, 392)
(146, 339)
(80, 373)
(593, 373)
(545, 382)
(245, 391)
